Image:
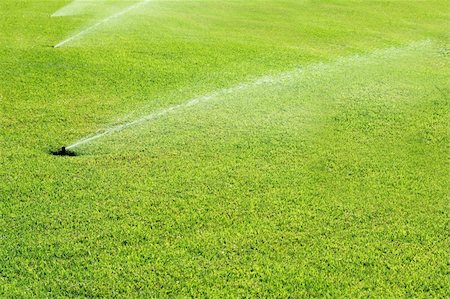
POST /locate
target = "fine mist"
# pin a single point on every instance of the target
(75, 7)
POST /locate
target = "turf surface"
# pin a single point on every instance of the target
(328, 180)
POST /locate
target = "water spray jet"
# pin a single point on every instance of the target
(98, 24)
(270, 79)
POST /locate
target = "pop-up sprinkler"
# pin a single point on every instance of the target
(63, 152)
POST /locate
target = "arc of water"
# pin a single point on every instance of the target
(105, 20)
(377, 54)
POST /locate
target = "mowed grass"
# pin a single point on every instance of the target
(331, 181)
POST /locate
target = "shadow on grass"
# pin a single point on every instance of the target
(63, 152)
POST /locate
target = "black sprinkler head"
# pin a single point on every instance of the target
(63, 152)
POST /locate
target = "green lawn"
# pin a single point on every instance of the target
(326, 178)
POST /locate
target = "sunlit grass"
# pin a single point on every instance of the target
(331, 181)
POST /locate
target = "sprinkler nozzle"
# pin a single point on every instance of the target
(63, 152)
